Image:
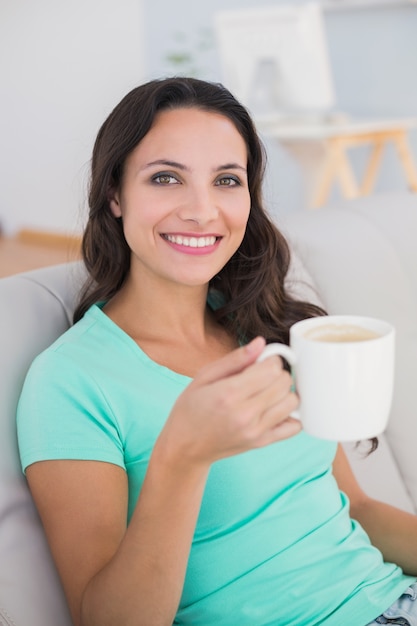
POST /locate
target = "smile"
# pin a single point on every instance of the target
(191, 242)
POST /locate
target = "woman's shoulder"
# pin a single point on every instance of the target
(90, 338)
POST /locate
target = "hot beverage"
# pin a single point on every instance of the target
(340, 333)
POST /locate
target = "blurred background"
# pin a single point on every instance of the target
(65, 65)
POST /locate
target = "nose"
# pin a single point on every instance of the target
(198, 205)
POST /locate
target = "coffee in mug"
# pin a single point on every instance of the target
(343, 368)
(341, 332)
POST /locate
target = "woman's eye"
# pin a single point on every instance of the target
(164, 179)
(228, 181)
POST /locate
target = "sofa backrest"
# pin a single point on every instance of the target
(35, 308)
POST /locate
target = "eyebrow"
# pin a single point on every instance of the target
(231, 166)
(181, 166)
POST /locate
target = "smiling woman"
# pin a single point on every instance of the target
(173, 484)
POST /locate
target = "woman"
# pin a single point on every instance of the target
(172, 484)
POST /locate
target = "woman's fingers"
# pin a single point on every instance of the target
(284, 430)
(269, 406)
(277, 413)
(231, 364)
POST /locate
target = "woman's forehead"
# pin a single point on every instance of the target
(192, 134)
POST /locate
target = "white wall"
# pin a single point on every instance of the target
(63, 66)
(373, 52)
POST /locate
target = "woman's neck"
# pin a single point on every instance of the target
(155, 310)
(175, 329)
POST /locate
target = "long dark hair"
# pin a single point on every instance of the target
(252, 282)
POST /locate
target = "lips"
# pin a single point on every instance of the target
(193, 241)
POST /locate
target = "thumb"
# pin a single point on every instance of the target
(232, 363)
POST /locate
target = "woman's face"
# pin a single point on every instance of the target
(184, 198)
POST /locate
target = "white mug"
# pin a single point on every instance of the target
(343, 366)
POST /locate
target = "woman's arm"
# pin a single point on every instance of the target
(391, 530)
(134, 576)
(111, 573)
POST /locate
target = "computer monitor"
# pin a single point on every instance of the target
(275, 60)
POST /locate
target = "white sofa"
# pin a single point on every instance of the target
(361, 257)
(358, 257)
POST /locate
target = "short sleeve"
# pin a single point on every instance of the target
(64, 414)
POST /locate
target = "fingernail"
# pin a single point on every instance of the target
(255, 345)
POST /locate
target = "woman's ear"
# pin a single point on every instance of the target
(114, 202)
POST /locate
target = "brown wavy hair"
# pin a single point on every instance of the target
(252, 282)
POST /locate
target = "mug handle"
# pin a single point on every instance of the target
(280, 349)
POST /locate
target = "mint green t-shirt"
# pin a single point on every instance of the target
(274, 544)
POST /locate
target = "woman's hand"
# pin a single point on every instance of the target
(233, 405)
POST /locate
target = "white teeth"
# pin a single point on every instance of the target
(192, 242)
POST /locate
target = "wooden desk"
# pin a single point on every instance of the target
(30, 250)
(322, 151)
